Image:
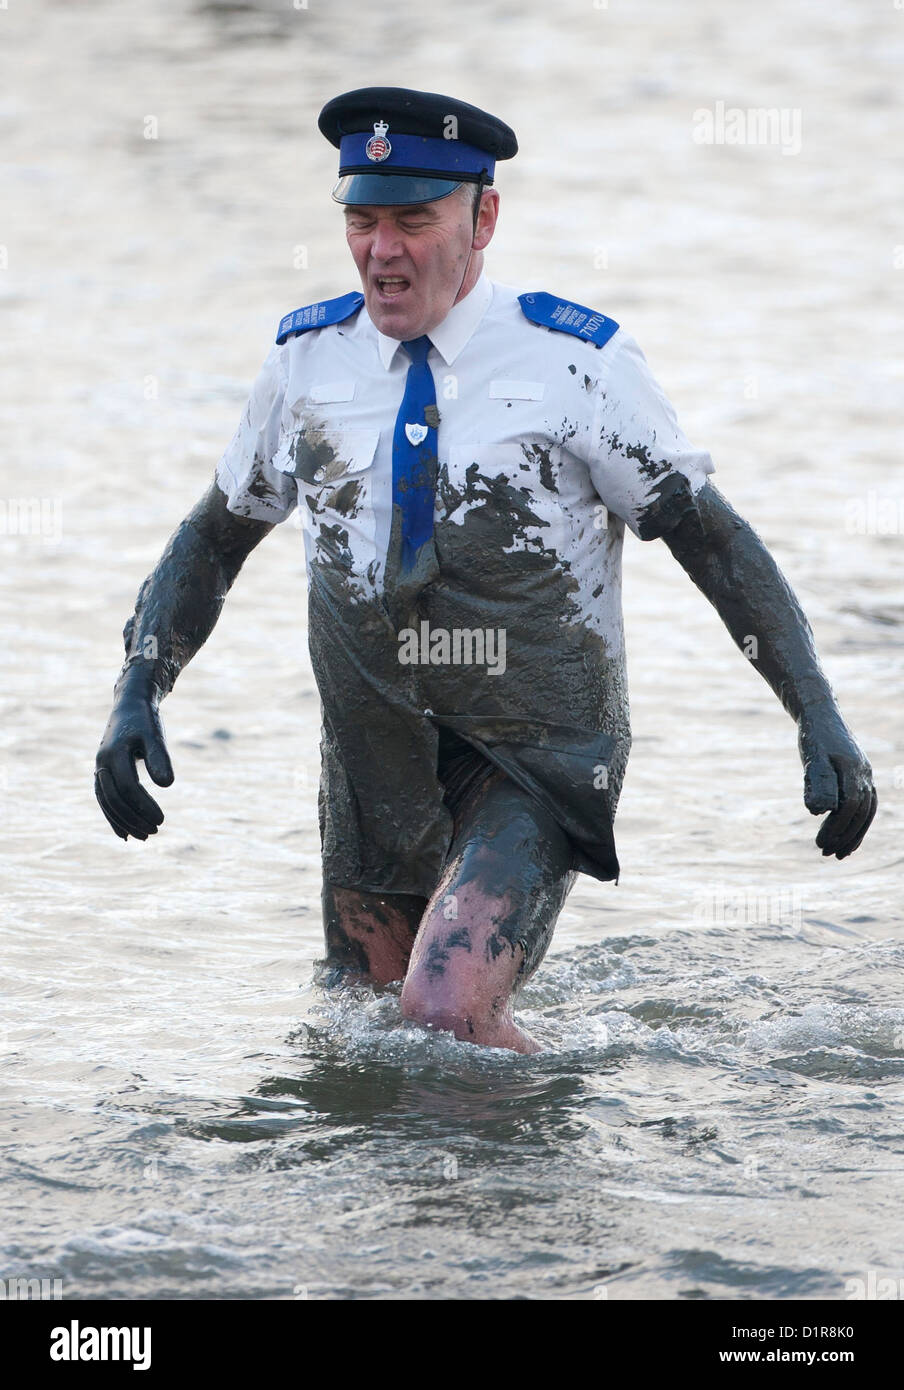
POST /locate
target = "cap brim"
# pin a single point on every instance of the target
(392, 188)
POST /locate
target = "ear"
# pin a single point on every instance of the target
(486, 219)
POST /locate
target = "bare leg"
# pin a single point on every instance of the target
(490, 919)
(369, 936)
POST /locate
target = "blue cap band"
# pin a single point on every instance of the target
(418, 154)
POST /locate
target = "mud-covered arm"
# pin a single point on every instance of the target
(179, 603)
(175, 612)
(730, 565)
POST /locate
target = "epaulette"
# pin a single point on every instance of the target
(319, 315)
(564, 317)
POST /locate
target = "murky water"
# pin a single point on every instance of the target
(717, 1109)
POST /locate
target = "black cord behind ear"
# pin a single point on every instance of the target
(482, 182)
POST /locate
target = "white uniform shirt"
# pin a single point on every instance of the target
(547, 446)
(512, 397)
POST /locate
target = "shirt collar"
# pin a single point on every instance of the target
(451, 335)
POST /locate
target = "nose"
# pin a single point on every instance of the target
(386, 241)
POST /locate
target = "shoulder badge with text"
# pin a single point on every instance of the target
(319, 315)
(564, 317)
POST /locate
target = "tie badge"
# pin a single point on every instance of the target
(378, 147)
(416, 434)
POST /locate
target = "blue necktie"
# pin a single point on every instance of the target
(411, 561)
(414, 455)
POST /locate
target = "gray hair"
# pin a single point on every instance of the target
(471, 193)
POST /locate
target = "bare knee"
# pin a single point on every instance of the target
(483, 1022)
(420, 1004)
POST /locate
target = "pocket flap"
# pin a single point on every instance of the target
(517, 390)
(322, 456)
(331, 391)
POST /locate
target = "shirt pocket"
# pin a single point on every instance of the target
(470, 464)
(507, 492)
(512, 479)
(334, 472)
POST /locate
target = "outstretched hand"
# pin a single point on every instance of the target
(837, 778)
(134, 731)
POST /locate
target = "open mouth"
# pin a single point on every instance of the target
(391, 286)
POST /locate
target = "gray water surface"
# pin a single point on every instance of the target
(717, 1109)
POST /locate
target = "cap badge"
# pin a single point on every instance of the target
(378, 147)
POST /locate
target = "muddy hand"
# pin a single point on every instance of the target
(134, 731)
(837, 778)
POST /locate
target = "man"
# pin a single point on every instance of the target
(465, 458)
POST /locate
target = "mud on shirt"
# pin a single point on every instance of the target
(548, 445)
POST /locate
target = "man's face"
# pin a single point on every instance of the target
(412, 257)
